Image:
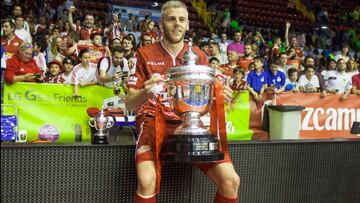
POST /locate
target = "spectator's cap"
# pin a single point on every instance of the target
(57, 63)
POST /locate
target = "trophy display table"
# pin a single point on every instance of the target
(270, 171)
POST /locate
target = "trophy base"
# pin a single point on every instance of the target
(99, 140)
(191, 149)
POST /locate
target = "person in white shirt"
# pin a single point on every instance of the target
(223, 43)
(291, 84)
(39, 47)
(66, 76)
(20, 31)
(115, 69)
(339, 81)
(309, 82)
(85, 73)
(330, 67)
(344, 53)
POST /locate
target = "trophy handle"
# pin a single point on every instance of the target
(92, 122)
(110, 122)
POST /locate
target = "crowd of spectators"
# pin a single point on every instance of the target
(64, 45)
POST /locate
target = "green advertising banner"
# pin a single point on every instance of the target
(50, 110)
(238, 117)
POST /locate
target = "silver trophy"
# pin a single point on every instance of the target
(190, 92)
(101, 123)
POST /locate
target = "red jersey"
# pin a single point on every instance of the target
(356, 81)
(244, 63)
(11, 46)
(226, 69)
(86, 33)
(15, 66)
(155, 59)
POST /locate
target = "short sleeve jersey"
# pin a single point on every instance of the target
(81, 74)
(155, 58)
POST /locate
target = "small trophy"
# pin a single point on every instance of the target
(101, 123)
(190, 92)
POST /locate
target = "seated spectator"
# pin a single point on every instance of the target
(352, 67)
(96, 48)
(39, 48)
(65, 76)
(356, 83)
(308, 82)
(338, 81)
(21, 67)
(245, 60)
(114, 70)
(57, 50)
(55, 69)
(214, 63)
(330, 67)
(310, 61)
(257, 81)
(291, 83)
(344, 54)
(233, 57)
(128, 45)
(275, 80)
(239, 82)
(20, 31)
(88, 28)
(215, 52)
(206, 48)
(84, 74)
(292, 59)
(9, 40)
(146, 39)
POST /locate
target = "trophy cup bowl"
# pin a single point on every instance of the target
(101, 123)
(190, 94)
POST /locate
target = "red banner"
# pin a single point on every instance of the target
(327, 117)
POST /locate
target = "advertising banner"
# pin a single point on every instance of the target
(238, 117)
(327, 117)
(49, 111)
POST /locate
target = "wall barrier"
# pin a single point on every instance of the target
(52, 105)
(270, 171)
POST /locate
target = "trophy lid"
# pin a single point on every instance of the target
(190, 71)
(190, 58)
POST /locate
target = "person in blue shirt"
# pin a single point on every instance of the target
(275, 79)
(257, 81)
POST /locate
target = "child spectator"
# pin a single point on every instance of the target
(291, 83)
(331, 67)
(239, 82)
(257, 80)
(39, 48)
(55, 69)
(65, 77)
(214, 63)
(276, 79)
(308, 82)
(84, 73)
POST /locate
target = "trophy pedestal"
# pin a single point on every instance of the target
(99, 140)
(191, 149)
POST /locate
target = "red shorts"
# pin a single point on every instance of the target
(146, 142)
